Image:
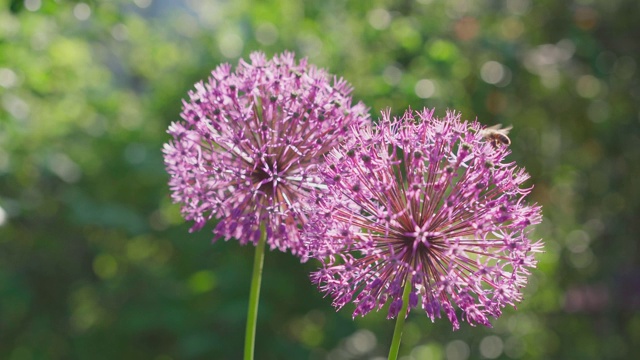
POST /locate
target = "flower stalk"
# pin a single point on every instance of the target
(397, 332)
(254, 295)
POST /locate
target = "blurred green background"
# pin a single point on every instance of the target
(96, 263)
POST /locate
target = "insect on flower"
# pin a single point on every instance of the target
(423, 205)
(496, 135)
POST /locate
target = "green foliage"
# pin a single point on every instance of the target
(96, 263)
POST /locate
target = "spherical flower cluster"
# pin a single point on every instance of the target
(248, 146)
(428, 203)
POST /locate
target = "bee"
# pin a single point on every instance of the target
(496, 135)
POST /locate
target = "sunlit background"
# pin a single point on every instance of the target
(96, 263)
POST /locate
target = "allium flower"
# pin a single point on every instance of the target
(249, 143)
(427, 203)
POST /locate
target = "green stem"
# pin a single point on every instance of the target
(397, 332)
(254, 296)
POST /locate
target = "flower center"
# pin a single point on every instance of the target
(267, 176)
(422, 241)
(264, 175)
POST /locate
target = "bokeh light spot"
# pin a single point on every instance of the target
(86, 311)
(425, 88)
(120, 32)
(32, 5)
(520, 324)
(491, 347)
(17, 107)
(3, 216)
(577, 241)
(457, 350)
(492, 72)
(443, 50)
(310, 44)
(411, 335)
(66, 169)
(82, 11)
(405, 33)
(361, 342)
(105, 266)
(518, 7)
(582, 260)
(392, 75)
(431, 351)
(202, 281)
(466, 28)
(511, 28)
(311, 335)
(67, 52)
(550, 78)
(230, 44)
(8, 78)
(461, 69)
(139, 248)
(266, 33)
(142, 4)
(586, 18)
(588, 86)
(379, 19)
(514, 347)
(308, 329)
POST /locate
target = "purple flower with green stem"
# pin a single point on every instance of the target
(423, 212)
(247, 149)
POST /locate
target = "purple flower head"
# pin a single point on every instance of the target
(247, 149)
(427, 203)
